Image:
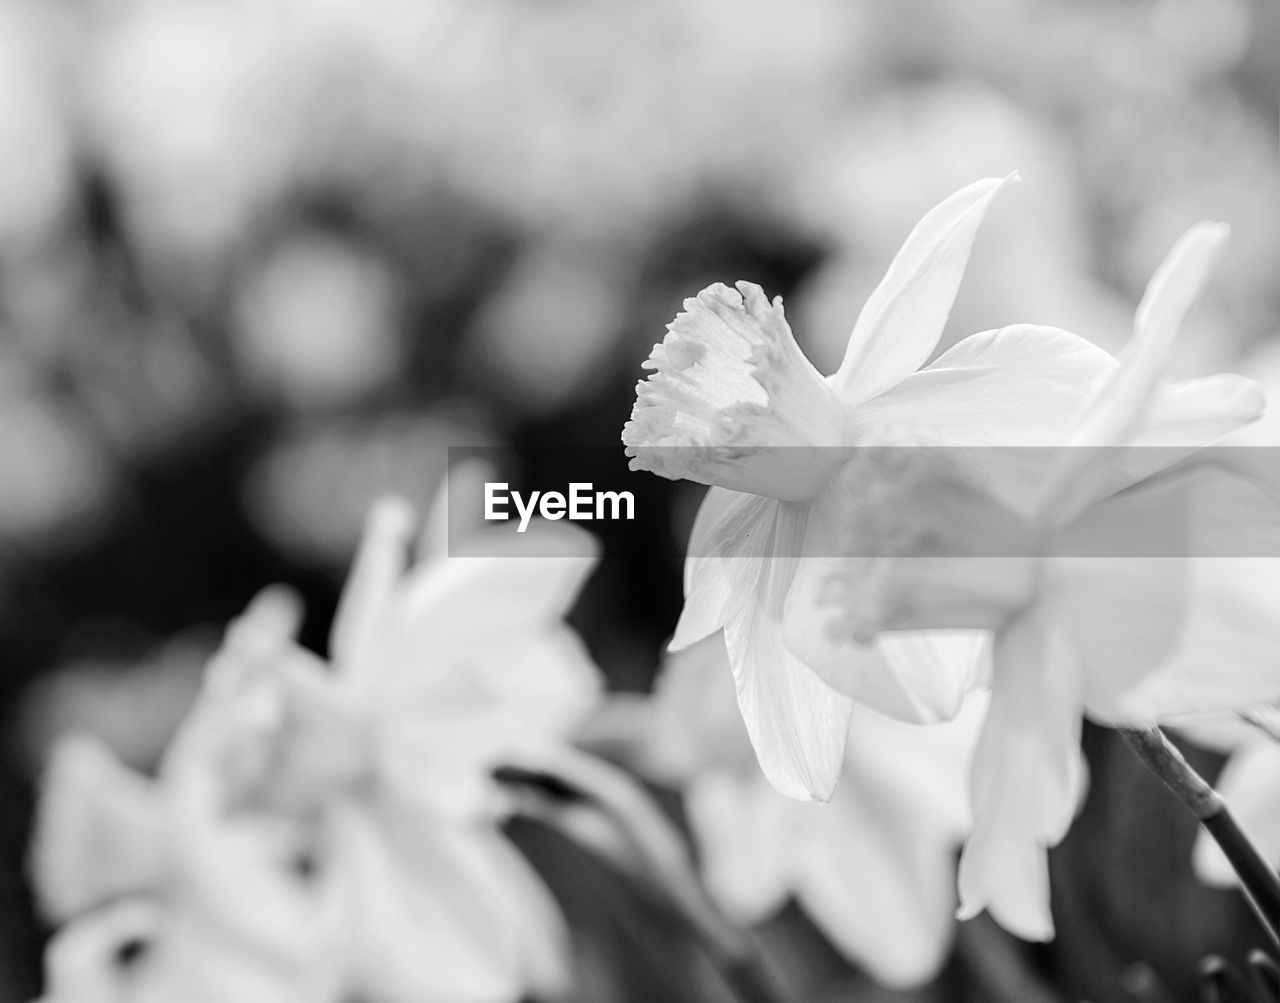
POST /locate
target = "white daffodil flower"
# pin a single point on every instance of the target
(165, 896)
(735, 404)
(1078, 626)
(874, 869)
(440, 671)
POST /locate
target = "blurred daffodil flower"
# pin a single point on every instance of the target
(874, 869)
(1084, 619)
(383, 761)
(733, 403)
(167, 896)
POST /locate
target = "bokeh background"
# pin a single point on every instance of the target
(263, 260)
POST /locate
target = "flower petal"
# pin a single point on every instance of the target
(1119, 583)
(1019, 386)
(1118, 649)
(463, 482)
(1026, 779)
(1198, 412)
(425, 922)
(1125, 403)
(876, 867)
(1183, 418)
(903, 319)
(733, 401)
(100, 831)
(729, 542)
(1225, 658)
(1228, 611)
(82, 962)
(913, 676)
(694, 724)
(496, 587)
(438, 739)
(746, 836)
(360, 625)
(909, 675)
(1120, 406)
(797, 723)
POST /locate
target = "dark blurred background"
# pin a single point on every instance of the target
(263, 260)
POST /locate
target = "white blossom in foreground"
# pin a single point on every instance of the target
(1077, 626)
(874, 869)
(732, 402)
(382, 762)
(167, 896)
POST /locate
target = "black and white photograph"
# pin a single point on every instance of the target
(669, 501)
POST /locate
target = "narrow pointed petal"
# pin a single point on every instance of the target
(463, 483)
(733, 401)
(1123, 405)
(1026, 779)
(359, 626)
(273, 616)
(461, 599)
(1169, 296)
(797, 723)
(903, 319)
(727, 548)
(1184, 417)
(1194, 413)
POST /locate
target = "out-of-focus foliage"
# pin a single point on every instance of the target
(263, 260)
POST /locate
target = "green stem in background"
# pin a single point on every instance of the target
(1260, 883)
(604, 809)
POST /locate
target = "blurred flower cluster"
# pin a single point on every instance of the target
(327, 832)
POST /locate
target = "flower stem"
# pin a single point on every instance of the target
(1260, 883)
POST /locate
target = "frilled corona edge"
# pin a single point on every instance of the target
(733, 401)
